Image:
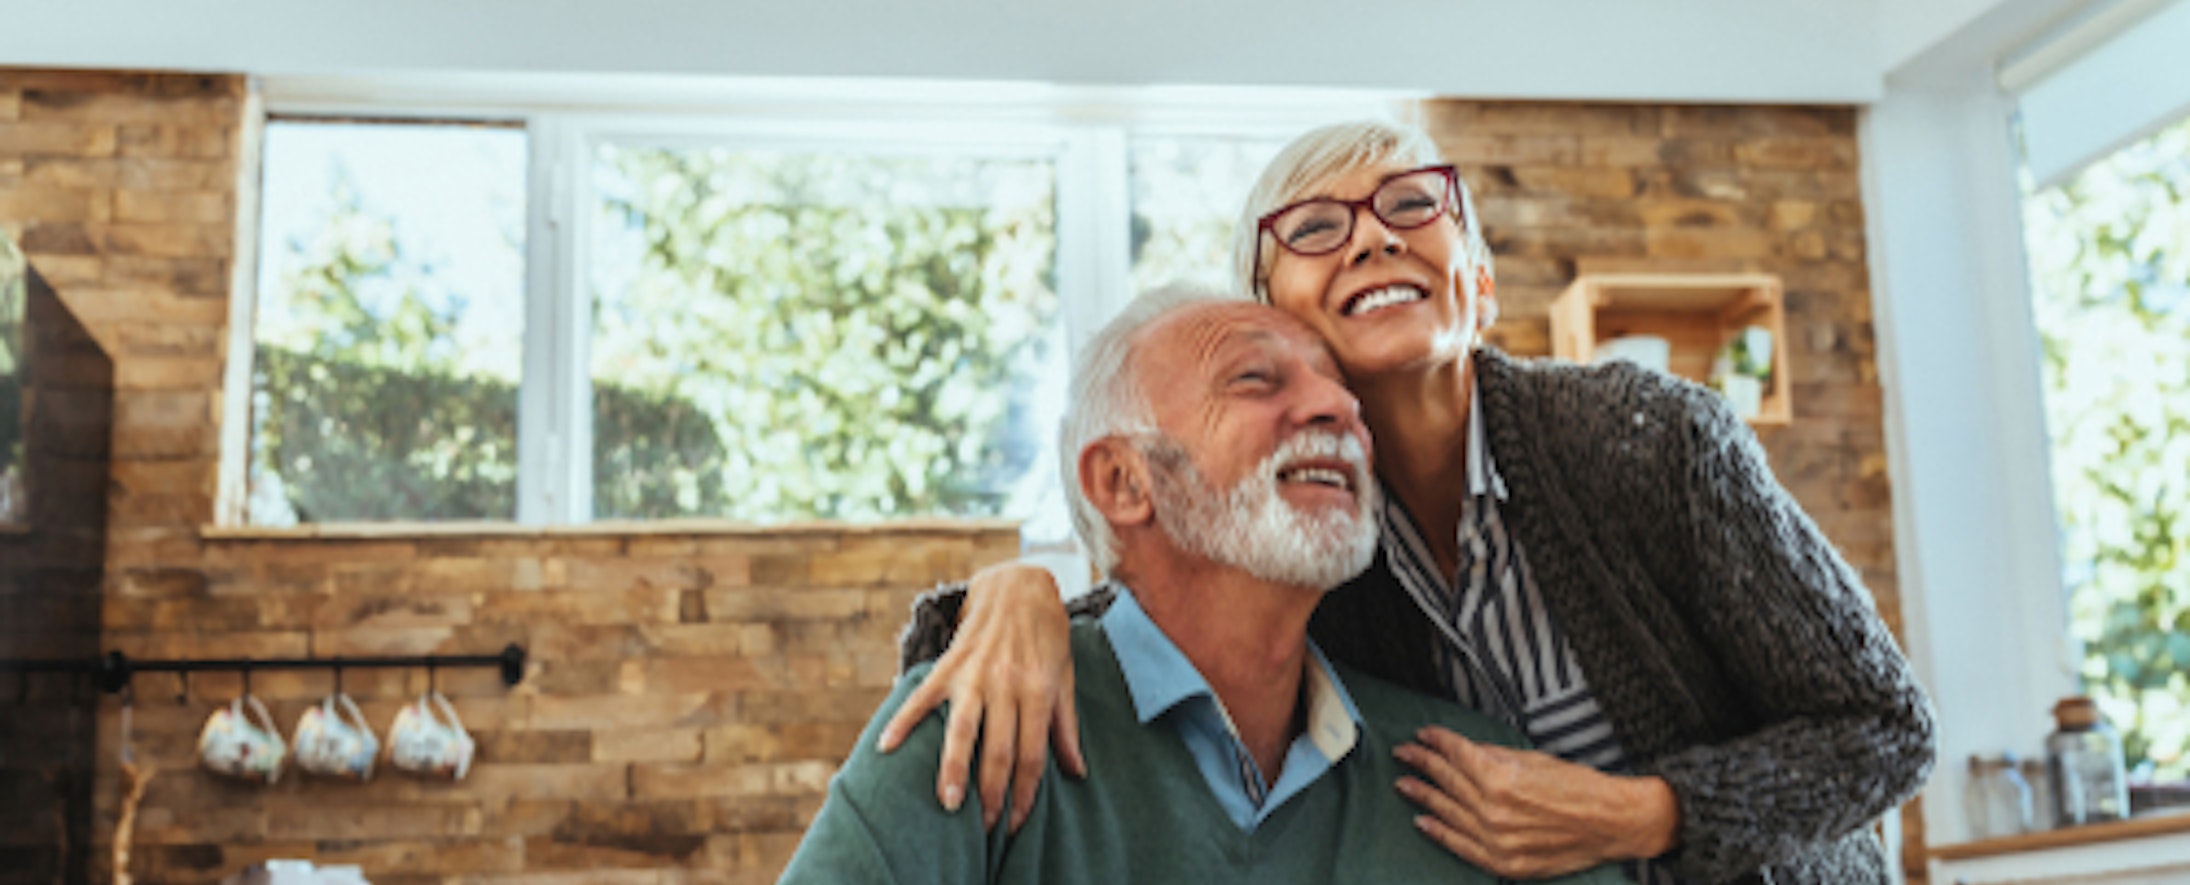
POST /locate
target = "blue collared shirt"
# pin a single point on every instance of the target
(1165, 685)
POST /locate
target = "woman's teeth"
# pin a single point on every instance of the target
(1378, 299)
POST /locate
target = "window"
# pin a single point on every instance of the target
(390, 322)
(14, 293)
(841, 334)
(2110, 265)
(1187, 194)
(857, 312)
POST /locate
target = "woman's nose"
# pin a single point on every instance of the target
(1371, 236)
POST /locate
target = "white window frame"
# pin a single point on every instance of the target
(1087, 131)
(1975, 526)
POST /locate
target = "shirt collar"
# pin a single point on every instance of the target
(1482, 471)
(1159, 677)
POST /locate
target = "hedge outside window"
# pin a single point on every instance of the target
(2110, 262)
(562, 319)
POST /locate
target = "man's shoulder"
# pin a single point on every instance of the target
(1391, 714)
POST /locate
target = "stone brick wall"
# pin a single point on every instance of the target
(687, 699)
(1566, 189)
(691, 690)
(689, 693)
(92, 170)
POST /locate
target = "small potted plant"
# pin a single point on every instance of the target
(1742, 369)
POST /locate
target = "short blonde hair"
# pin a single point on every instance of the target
(1320, 155)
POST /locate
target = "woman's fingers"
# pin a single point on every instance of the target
(1440, 804)
(959, 736)
(1466, 847)
(1034, 722)
(923, 699)
(1000, 737)
(1065, 732)
(1449, 771)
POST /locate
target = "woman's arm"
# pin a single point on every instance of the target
(1848, 733)
(1006, 670)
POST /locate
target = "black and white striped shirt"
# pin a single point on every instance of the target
(1502, 654)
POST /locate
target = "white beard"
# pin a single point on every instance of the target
(1253, 528)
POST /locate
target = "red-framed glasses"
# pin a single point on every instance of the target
(1320, 226)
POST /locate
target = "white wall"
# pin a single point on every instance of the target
(1976, 544)
(1909, 28)
(1703, 50)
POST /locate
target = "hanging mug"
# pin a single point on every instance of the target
(334, 740)
(242, 742)
(428, 739)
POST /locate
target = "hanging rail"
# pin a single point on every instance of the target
(115, 669)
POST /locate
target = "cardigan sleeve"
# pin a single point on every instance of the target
(1848, 732)
(935, 620)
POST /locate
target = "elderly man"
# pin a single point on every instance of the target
(1223, 484)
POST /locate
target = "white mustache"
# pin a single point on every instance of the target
(1320, 444)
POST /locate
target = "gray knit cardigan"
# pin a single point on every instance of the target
(1735, 653)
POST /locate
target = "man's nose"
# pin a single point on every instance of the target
(1326, 402)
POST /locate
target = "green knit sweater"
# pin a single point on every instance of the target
(1145, 815)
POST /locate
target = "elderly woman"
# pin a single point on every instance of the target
(1599, 554)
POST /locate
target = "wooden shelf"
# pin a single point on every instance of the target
(2112, 831)
(1695, 313)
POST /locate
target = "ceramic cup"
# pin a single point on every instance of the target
(428, 739)
(240, 741)
(333, 740)
(1647, 351)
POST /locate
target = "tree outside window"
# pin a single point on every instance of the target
(2110, 262)
(821, 334)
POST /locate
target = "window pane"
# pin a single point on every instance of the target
(837, 334)
(1187, 194)
(2110, 262)
(390, 323)
(14, 506)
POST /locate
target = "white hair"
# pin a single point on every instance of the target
(1251, 526)
(1320, 155)
(1106, 400)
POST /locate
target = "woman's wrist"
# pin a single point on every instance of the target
(1000, 578)
(1652, 817)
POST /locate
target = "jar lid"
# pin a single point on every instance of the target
(2076, 713)
(1980, 764)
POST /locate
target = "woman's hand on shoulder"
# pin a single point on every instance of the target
(1008, 678)
(1523, 814)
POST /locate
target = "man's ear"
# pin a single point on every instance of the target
(1114, 477)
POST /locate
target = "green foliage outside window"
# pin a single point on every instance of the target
(775, 336)
(855, 330)
(362, 408)
(2110, 256)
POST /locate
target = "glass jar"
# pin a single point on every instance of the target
(1999, 797)
(2042, 806)
(2084, 764)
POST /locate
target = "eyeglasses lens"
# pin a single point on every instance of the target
(1411, 200)
(1314, 227)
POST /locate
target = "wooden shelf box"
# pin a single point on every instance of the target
(1695, 313)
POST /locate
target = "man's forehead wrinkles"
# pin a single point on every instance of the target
(1216, 338)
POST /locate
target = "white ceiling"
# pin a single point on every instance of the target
(1703, 50)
